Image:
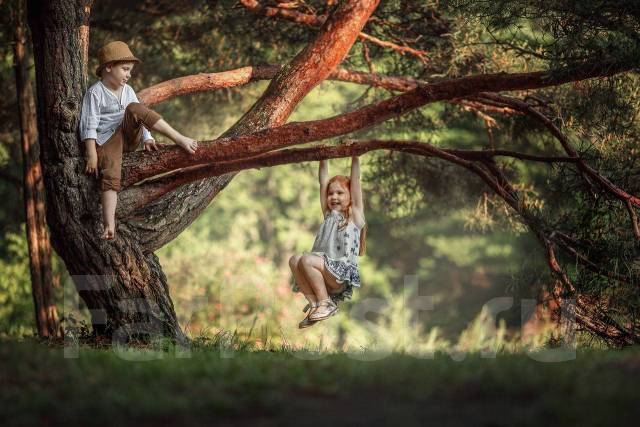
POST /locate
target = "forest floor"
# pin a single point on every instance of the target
(51, 385)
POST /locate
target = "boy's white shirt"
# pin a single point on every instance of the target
(102, 112)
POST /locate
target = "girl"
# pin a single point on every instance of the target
(329, 272)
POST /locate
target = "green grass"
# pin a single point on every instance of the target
(39, 386)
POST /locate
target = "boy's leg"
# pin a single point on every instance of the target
(109, 201)
(110, 166)
(137, 115)
(188, 144)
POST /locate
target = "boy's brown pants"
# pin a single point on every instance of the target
(126, 137)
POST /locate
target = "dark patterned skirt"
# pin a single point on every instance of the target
(345, 273)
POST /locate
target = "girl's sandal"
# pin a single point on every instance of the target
(306, 322)
(326, 309)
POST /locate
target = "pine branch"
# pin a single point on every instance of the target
(138, 166)
(316, 21)
(149, 191)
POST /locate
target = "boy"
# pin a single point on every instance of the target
(114, 120)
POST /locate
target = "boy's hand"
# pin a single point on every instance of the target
(92, 164)
(189, 145)
(150, 145)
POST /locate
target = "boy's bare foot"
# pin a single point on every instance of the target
(109, 232)
(188, 144)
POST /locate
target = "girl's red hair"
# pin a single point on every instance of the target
(345, 182)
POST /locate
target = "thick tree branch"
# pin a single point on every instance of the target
(316, 21)
(311, 66)
(139, 166)
(209, 81)
(140, 195)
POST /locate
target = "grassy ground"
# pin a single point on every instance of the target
(40, 386)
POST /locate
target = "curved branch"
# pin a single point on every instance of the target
(634, 220)
(627, 199)
(564, 141)
(308, 68)
(316, 21)
(586, 314)
(139, 165)
(209, 81)
(140, 195)
(567, 244)
(205, 81)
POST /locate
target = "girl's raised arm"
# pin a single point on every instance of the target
(323, 177)
(357, 205)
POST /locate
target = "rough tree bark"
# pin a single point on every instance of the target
(123, 286)
(46, 314)
(121, 281)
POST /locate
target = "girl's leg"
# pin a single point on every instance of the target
(321, 281)
(301, 279)
(313, 268)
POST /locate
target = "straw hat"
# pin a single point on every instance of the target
(112, 52)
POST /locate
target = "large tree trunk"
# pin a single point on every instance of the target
(134, 298)
(123, 287)
(46, 314)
